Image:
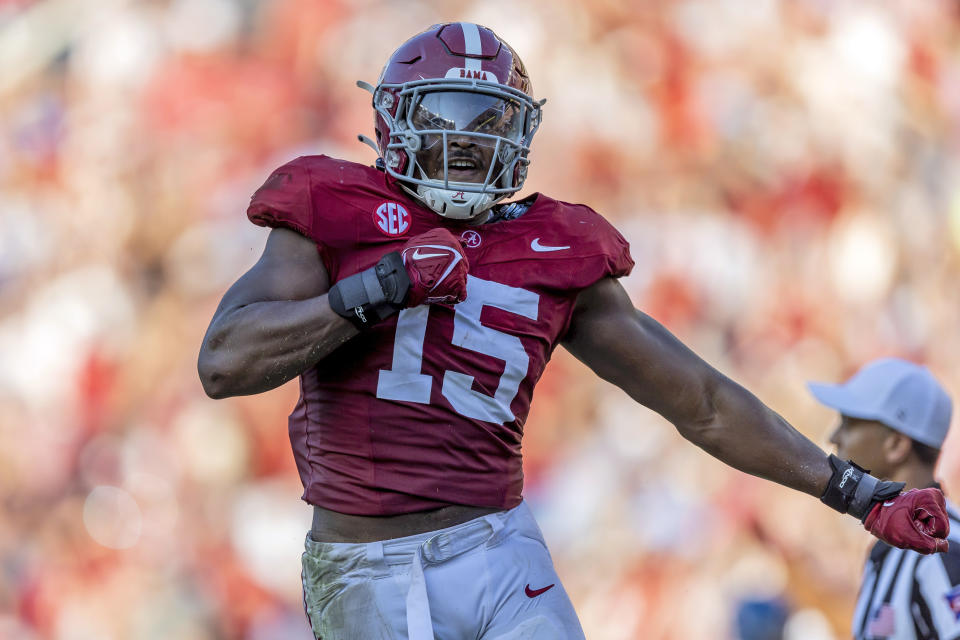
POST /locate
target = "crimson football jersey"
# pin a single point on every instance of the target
(427, 408)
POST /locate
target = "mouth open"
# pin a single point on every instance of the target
(461, 168)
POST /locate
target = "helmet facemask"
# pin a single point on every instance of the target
(459, 145)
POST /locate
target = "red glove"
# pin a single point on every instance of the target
(437, 268)
(914, 520)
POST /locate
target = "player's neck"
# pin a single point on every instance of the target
(479, 219)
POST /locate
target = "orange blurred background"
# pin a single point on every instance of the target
(785, 170)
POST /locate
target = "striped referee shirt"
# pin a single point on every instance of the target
(908, 596)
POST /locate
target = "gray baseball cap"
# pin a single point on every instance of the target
(900, 394)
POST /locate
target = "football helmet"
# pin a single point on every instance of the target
(454, 118)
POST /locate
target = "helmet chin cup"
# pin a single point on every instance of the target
(456, 205)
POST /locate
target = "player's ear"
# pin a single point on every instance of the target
(896, 447)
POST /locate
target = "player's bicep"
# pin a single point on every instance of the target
(290, 268)
(635, 352)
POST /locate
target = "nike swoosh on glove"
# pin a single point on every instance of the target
(914, 520)
(437, 268)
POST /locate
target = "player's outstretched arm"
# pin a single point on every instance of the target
(636, 353)
(273, 323)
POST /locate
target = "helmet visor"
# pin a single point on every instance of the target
(468, 112)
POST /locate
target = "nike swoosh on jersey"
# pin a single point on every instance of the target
(421, 256)
(536, 246)
(533, 593)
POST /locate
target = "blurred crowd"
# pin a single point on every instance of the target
(785, 170)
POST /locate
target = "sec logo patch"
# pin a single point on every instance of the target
(392, 219)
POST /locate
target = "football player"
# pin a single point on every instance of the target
(419, 310)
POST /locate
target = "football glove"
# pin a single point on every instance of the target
(915, 520)
(437, 268)
(430, 268)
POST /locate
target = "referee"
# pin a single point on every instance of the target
(894, 416)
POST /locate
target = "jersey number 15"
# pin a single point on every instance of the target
(405, 382)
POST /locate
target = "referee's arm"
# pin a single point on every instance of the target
(935, 601)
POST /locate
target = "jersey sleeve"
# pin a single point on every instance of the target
(285, 200)
(616, 252)
(936, 594)
(599, 250)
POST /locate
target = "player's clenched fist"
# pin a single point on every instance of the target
(914, 520)
(430, 268)
(437, 268)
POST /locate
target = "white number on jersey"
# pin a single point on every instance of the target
(405, 382)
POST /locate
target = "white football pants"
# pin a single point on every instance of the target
(490, 578)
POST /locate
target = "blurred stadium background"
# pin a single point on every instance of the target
(786, 172)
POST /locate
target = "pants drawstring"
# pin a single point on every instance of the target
(437, 549)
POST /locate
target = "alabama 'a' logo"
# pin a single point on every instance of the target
(392, 219)
(471, 238)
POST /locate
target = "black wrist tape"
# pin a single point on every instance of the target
(372, 295)
(853, 490)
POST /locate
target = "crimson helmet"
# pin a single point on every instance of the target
(455, 118)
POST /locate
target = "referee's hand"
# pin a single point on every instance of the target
(915, 520)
